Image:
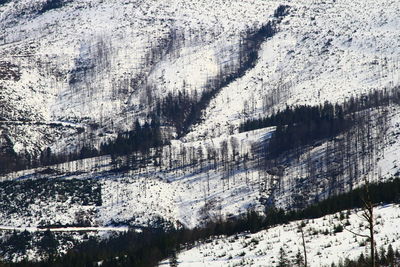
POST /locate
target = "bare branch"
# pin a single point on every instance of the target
(357, 234)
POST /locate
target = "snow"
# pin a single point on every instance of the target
(323, 51)
(262, 248)
(188, 194)
(96, 62)
(65, 229)
(86, 61)
(388, 164)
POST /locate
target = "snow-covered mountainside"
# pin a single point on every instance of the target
(187, 195)
(81, 72)
(323, 51)
(182, 189)
(325, 244)
(103, 63)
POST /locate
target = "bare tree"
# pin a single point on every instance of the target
(304, 243)
(368, 216)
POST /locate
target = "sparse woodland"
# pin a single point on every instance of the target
(308, 161)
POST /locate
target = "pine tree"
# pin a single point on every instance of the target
(48, 244)
(283, 261)
(361, 260)
(299, 261)
(390, 255)
(382, 256)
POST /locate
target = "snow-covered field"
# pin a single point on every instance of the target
(323, 245)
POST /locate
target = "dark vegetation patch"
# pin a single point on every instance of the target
(2, 2)
(17, 196)
(303, 125)
(16, 244)
(142, 138)
(52, 4)
(9, 71)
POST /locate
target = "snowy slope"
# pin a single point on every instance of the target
(86, 70)
(323, 51)
(181, 194)
(190, 194)
(104, 62)
(323, 245)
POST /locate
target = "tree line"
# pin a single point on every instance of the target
(389, 257)
(141, 138)
(149, 247)
(326, 112)
(302, 125)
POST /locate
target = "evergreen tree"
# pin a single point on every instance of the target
(283, 261)
(48, 245)
(382, 256)
(390, 255)
(361, 260)
(299, 260)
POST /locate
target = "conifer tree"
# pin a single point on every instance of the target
(283, 261)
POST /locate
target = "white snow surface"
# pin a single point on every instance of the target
(104, 62)
(323, 51)
(97, 62)
(323, 245)
(186, 194)
(65, 229)
(179, 195)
